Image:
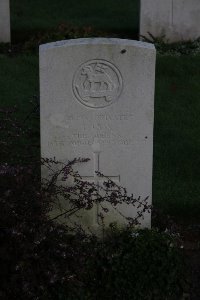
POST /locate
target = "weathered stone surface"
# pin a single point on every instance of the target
(97, 102)
(177, 20)
(4, 21)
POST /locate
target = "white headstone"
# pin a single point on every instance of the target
(4, 21)
(177, 20)
(97, 102)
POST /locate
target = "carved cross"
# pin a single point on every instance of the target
(95, 178)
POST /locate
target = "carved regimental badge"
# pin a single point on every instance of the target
(97, 83)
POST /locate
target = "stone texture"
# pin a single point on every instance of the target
(97, 102)
(177, 20)
(4, 21)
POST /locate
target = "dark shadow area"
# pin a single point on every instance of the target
(113, 16)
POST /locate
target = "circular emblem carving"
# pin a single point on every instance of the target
(97, 83)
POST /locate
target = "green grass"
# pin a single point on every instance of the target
(176, 185)
(19, 81)
(28, 16)
(19, 86)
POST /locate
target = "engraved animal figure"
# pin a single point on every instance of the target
(97, 75)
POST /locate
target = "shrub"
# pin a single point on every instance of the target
(41, 259)
(37, 255)
(139, 264)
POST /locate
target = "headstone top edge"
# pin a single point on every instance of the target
(97, 41)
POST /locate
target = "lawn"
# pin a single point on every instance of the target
(176, 175)
(176, 138)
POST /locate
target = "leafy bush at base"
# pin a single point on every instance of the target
(136, 265)
(37, 256)
(41, 260)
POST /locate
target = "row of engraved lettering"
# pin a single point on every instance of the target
(105, 117)
(99, 135)
(90, 142)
